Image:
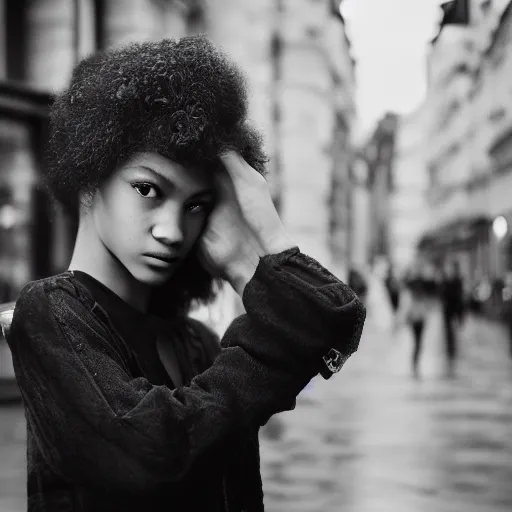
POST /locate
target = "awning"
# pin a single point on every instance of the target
(454, 233)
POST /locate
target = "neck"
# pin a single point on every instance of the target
(92, 257)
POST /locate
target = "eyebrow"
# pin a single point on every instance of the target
(207, 191)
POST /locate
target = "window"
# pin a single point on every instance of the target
(15, 35)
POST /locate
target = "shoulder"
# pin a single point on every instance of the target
(47, 289)
(52, 298)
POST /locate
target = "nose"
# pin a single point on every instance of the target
(168, 229)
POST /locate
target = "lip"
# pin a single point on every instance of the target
(166, 258)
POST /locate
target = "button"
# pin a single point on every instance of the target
(334, 360)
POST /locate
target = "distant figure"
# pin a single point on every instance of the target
(393, 288)
(358, 283)
(507, 308)
(452, 301)
(415, 307)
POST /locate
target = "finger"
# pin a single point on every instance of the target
(238, 168)
(224, 185)
(233, 163)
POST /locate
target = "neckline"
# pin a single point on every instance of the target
(150, 317)
(123, 303)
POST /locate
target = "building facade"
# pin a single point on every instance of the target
(409, 209)
(343, 156)
(360, 221)
(378, 155)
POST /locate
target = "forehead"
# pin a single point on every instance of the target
(186, 177)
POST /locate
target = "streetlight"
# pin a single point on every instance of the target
(500, 227)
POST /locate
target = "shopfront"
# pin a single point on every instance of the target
(483, 247)
(466, 241)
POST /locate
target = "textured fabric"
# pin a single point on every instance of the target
(191, 346)
(103, 436)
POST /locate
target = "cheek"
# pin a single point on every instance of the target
(120, 224)
(195, 226)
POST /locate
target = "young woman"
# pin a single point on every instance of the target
(130, 404)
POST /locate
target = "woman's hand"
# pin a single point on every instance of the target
(255, 202)
(243, 227)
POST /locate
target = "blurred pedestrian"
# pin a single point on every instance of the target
(416, 303)
(453, 308)
(507, 308)
(393, 288)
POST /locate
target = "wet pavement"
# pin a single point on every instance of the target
(373, 439)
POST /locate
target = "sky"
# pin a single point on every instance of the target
(389, 43)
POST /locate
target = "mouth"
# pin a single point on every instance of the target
(162, 257)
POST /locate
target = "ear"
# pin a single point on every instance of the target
(85, 202)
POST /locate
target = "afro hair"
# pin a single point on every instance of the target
(183, 99)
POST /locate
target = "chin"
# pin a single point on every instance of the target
(152, 277)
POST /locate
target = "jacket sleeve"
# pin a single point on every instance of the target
(97, 425)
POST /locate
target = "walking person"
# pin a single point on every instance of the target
(453, 308)
(416, 304)
(393, 288)
(507, 309)
(130, 404)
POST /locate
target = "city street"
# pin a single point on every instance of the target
(372, 439)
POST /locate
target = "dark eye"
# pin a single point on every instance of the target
(196, 208)
(146, 190)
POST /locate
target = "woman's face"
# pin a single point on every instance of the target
(150, 213)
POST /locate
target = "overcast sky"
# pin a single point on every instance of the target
(389, 42)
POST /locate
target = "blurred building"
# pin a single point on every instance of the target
(360, 221)
(341, 200)
(378, 154)
(409, 209)
(469, 103)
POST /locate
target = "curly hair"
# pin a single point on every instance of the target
(183, 99)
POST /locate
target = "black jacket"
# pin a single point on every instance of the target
(452, 295)
(101, 436)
